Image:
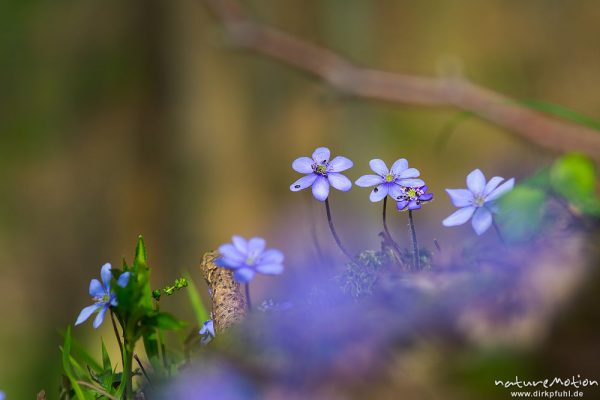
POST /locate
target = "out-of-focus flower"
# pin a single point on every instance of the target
(2, 395)
(207, 332)
(389, 181)
(247, 257)
(103, 297)
(320, 173)
(477, 201)
(412, 198)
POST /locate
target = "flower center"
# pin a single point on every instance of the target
(103, 299)
(478, 201)
(411, 193)
(389, 178)
(320, 169)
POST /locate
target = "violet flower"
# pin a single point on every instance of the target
(477, 201)
(320, 173)
(207, 332)
(412, 198)
(246, 258)
(389, 181)
(103, 297)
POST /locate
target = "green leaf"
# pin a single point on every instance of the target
(141, 258)
(521, 212)
(107, 365)
(79, 352)
(196, 302)
(68, 367)
(574, 177)
(150, 339)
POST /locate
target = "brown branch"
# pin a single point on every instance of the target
(539, 128)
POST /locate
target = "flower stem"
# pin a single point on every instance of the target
(127, 369)
(387, 231)
(114, 324)
(334, 233)
(139, 362)
(413, 232)
(248, 302)
(498, 232)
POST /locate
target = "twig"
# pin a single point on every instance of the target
(139, 362)
(97, 389)
(542, 129)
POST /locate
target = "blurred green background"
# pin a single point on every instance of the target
(119, 118)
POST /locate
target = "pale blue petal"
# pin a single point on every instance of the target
(272, 256)
(231, 254)
(492, 184)
(409, 173)
(321, 155)
(243, 275)
(379, 167)
(459, 217)
(399, 166)
(401, 205)
(410, 182)
(339, 181)
(379, 193)
(303, 165)
(369, 180)
(100, 317)
(123, 279)
(460, 197)
(395, 191)
(96, 288)
(426, 197)
(482, 220)
(270, 269)
(501, 190)
(476, 182)
(240, 244)
(303, 182)
(320, 188)
(106, 275)
(413, 205)
(86, 312)
(339, 164)
(113, 300)
(256, 245)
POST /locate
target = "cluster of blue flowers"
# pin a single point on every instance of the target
(403, 185)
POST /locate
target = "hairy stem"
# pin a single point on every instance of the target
(413, 233)
(248, 302)
(387, 231)
(114, 324)
(334, 233)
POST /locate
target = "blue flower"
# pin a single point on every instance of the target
(247, 258)
(389, 181)
(207, 332)
(412, 198)
(321, 173)
(2, 395)
(102, 296)
(477, 201)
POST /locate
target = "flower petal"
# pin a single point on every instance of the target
(339, 181)
(86, 312)
(106, 275)
(100, 317)
(256, 245)
(270, 269)
(96, 288)
(460, 197)
(231, 255)
(240, 244)
(501, 190)
(409, 173)
(410, 182)
(123, 279)
(379, 167)
(395, 191)
(476, 182)
(379, 193)
(320, 188)
(369, 180)
(459, 217)
(414, 205)
(426, 197)
(492, 184)
(272, 256)
(401, 205)
(339, 164)
(321, 155)
(243, 275)
(482, 220)
(399, 166)
(303, 182)
(303, 165)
